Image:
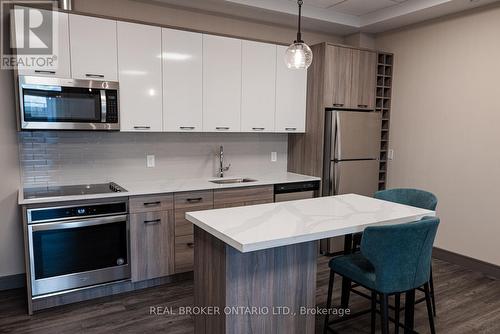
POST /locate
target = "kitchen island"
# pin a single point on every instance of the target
(255, 266)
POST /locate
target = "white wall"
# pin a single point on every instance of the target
(445, 125)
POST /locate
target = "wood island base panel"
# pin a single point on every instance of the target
(255, 292)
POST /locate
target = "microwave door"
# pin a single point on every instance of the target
(355, 135)
(66, 104)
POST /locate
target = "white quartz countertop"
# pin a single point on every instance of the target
(175, 185)
(258, 227)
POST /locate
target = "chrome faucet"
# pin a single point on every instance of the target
(222, 169)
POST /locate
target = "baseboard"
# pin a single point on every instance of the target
(488, 269)
(12, 282)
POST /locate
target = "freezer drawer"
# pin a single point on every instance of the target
(355, 135)
(358, 177)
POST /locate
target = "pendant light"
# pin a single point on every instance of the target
(298, 55)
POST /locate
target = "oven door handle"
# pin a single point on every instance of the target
(78, 223)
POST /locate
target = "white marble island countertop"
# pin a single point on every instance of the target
(264, 226)
(136, 188)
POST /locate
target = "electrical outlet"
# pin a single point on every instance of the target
(150, 161)
(274, 156)
(390, 154)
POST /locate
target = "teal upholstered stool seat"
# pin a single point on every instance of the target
(355, 266)
(394, 259)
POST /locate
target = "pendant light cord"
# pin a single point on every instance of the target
(299, 34)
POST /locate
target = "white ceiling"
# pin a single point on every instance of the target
(341, 17)
(351, 7)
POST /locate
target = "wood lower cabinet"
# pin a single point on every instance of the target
(161, 239)
(152, 237)
(152, 244)
(184, 246)
(184, 253)
(228, 198)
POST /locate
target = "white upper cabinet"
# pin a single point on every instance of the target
(258, 103)
(221, 84)
(93, 48)
(182, 80)
(59, 67)
(291, 87)
(140, 75)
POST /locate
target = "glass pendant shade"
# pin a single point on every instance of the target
(298, 56)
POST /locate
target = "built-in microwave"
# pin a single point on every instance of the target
(67, 104)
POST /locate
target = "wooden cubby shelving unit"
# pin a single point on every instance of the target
(383, 96)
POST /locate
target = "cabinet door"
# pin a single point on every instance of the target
(184, 245)
(363, 79)
(60, 67)
(139, 68)
(338, 77)
(258, 90)
(152, 244)
(221, 84)
(184, 253)
(182, 80)
(291, 89)
(228, 198)
(93, 48)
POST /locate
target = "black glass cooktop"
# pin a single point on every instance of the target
(84, 189)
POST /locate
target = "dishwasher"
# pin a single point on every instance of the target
(297, 190)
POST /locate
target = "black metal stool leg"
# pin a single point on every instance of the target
(409, 311)
(384, 313)
(429, 308)
(374, 312)
(329, 299)
(397, 303)
(433, 295)
(346, 283)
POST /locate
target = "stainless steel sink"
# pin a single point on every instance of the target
(229, 181)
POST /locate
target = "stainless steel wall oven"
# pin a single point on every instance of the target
(77, 246)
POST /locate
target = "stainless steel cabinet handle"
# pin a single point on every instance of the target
(194, 200)
(290, 129)
(222, 128)
(152, 203)
(90, 75)
(142, 127)
(258, 129)
(363, 105)
(186, 127)
(154, 221)
(45, 72)
(338, 104)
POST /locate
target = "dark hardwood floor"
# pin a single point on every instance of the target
(467, 302)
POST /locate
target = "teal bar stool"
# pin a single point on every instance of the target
(394, 259)
(407, 196)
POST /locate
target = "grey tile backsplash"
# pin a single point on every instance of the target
(50, 157)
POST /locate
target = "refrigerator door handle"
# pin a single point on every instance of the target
(334, 178)
(338, 143)
(337, 179)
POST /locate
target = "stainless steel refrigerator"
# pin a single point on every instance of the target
(351, 157)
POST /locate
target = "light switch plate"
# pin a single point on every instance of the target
(150, 161)
(390, 154)
(274, 156)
